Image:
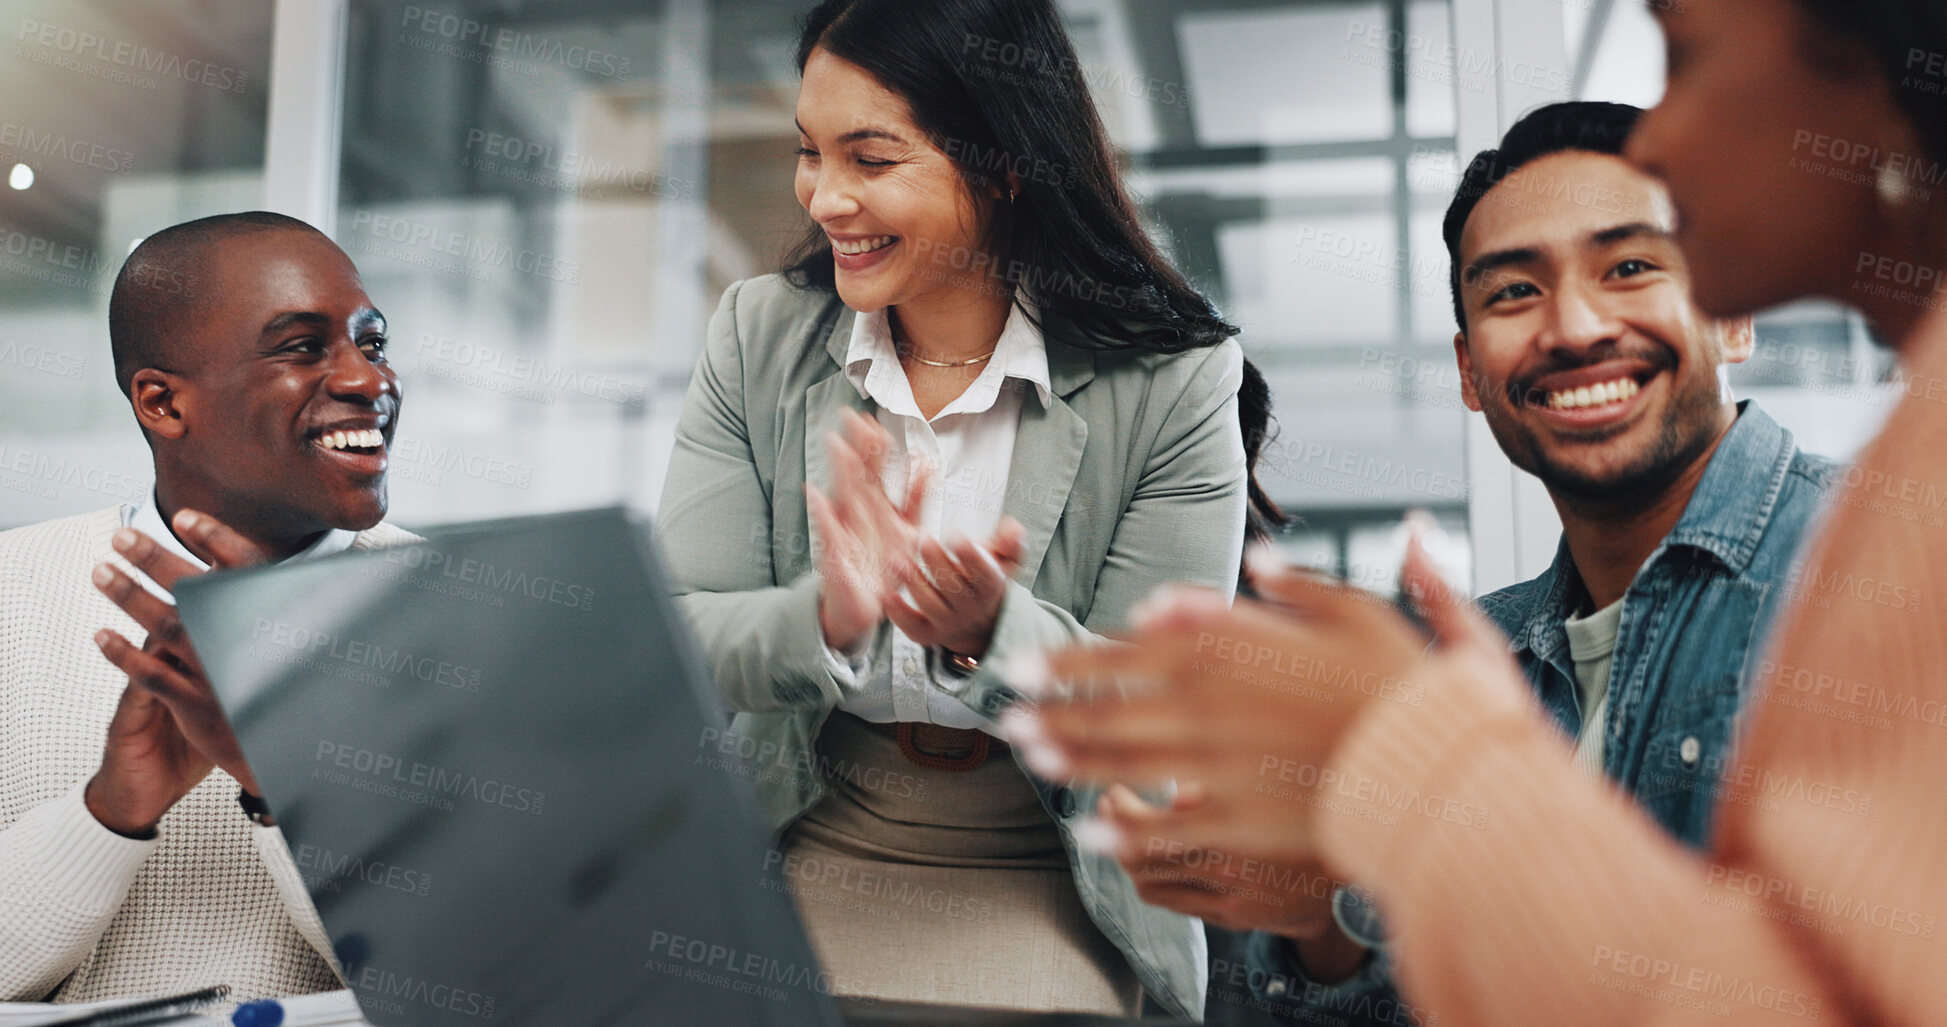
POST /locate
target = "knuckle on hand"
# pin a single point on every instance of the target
(149, 677)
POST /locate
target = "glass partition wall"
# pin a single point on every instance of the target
(120, 118)
(547, 199)
(550, 197)
(1304, 182)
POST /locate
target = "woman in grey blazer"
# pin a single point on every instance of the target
(979, 415)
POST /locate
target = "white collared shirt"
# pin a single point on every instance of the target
(970, 445)
(147, 519)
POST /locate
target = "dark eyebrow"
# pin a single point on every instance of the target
(367, 318)
(1497, 260)
(1623, 233)
(859, 134)
(285, 320)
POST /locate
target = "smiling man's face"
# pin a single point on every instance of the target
(287, 404)
(1595, 371)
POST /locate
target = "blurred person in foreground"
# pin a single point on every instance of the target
(145, 864)
(1820, 897)
(1681, 513)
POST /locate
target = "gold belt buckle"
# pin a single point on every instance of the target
(952, 749)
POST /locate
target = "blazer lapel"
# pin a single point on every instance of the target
(1047, 454)
(824, 403)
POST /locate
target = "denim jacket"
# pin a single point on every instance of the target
(1693, 626)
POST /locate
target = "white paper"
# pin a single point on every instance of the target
(320, 1010)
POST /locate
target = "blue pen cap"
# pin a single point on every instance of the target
(265, 1012)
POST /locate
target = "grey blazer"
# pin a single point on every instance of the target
(1132, 476)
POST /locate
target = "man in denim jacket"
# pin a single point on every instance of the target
(1681, 514)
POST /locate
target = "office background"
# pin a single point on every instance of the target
(546, 199)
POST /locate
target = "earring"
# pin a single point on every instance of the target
(1892, 187)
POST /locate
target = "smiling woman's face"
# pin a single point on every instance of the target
(902, 222)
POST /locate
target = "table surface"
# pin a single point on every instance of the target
(338, 1009)
(905, 1014)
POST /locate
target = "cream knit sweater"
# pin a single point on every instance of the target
(86, 914)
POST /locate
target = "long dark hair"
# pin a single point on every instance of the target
(996, 86)
(1907, 39)
(1263, 516)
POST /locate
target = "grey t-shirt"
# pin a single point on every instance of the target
(1591, 643)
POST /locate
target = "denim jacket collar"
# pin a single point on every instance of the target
(1726, 519)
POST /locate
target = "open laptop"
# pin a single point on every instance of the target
(497, 768)
(500, 766)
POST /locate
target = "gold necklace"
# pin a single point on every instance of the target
(989, 355)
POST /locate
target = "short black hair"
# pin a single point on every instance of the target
(162, 279)
(1584, 125)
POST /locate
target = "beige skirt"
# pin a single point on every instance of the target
(919, 883)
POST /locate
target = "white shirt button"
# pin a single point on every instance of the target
(912, 665)
(1690, 751)
(1275, 987)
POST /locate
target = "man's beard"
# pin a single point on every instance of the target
(1688, 429)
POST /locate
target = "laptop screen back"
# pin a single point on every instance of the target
(494, 757)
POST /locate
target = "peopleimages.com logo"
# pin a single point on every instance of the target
(511, 43)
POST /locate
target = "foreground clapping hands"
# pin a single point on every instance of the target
(168, 730)
(1250, 702)
(1293, 900)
